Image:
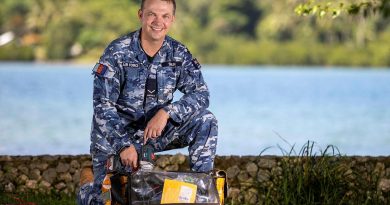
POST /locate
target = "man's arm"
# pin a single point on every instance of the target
(192, 85)
(156, 125)
(106, 92)
(196, 97)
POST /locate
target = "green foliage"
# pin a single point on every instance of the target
(60, 38)
(14, 51)
(323, 177)
(216, 32)
(336, 7)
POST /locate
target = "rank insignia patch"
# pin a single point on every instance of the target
(196, 63)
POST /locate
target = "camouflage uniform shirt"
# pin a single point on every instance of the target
(119, 98)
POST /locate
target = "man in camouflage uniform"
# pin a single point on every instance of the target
(134, 83)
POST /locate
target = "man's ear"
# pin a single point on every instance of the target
(173, 18)
(140, 14)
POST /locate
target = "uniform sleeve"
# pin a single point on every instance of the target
(106, 91)
(192, 85)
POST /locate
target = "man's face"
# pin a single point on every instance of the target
(156, 19)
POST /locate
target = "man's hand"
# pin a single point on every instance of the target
(129, 157)
(156, 125)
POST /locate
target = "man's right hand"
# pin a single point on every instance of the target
(129, 157)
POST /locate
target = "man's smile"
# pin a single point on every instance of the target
(157, 28)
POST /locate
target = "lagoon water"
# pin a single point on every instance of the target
(47, 109)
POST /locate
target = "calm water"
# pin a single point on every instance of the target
(47, 109)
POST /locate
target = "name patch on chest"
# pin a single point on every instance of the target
(172, 64)
(131, 65)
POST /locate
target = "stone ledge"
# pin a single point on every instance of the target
(245, 173)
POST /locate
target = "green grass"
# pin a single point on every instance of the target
(322, 177)
(36, 199)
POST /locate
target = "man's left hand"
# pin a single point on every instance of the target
(156, 125)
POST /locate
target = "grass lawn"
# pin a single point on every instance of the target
(36, 199)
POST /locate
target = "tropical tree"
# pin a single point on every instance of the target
(336, 7)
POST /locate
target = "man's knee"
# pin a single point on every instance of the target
(209, 124)
(207, 118)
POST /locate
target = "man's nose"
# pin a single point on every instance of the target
(158, 19)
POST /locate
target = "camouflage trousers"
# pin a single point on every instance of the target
(199, 132)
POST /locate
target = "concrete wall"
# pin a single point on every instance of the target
(246, 174)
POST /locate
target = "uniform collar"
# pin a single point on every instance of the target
(165, 49)
(136, 46)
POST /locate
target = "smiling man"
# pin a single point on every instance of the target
(134, 82)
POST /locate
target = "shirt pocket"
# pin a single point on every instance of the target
(132, 71)
(168, 79)
(133, 89)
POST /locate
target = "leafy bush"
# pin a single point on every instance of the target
(14, 51)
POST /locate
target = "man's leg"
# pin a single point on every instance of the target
(199, 132)
(90, 193)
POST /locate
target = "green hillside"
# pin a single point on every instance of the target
(216, 32)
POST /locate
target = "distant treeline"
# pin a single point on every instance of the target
(216, 32)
